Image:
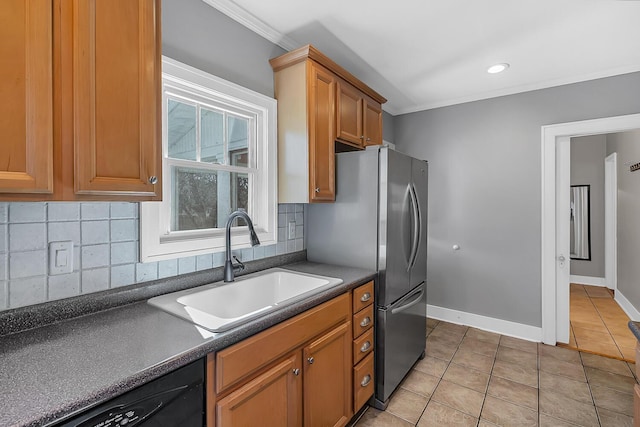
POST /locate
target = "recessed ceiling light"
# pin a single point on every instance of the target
(498, 68)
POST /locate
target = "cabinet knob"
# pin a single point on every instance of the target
(317, 189)
(366, 380)
(296, 372)
(365, 322)
(311, 360)
(365, 347)
(368, 139)
(153, 180)
(362, 137)
(365, 297)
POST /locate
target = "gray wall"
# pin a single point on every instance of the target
(197, 34)
(587, 168)
(388, 126)
(485, 190)
(105, 235)
(627, 145)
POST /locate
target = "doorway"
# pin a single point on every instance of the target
(555, 223)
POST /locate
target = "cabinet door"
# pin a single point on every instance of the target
(26, 100)
(327, 382)
(372, 123)
(116, 93)
(321, 100)
(273, 399)
(349, 114)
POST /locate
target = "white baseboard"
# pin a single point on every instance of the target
(627, 306)
(588, 280)
(490, 324)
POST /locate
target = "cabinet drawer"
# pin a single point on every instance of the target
(244, 358)
(362, 321)
(362, 382)
(362, 296)
(362, 346)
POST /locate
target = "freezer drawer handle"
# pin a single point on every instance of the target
(365, 297)
(365, 322)
(365, 347)
(409, 304)
(366, 380)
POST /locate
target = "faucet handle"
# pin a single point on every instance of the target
(240, 265)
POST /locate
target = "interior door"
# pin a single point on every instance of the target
(395, 230)
(563, 187)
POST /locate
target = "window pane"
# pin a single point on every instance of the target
(238, 131)
(181, 127)
(194, 199)
(204, 199)
(211, 136)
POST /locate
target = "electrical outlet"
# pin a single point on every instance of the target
(292, 230)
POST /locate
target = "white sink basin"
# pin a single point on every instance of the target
(221, 306)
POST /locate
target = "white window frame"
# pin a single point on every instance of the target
(156, 241)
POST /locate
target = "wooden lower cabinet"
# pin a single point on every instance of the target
(636, 405)
(296, 373)
(327, 391)
(273, 398)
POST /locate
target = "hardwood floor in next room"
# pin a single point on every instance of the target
(476, 378)
(598, 324)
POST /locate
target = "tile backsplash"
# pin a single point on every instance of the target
(105, 249)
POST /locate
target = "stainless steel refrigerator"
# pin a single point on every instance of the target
(379, 222)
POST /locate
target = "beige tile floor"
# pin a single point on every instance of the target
(476, 378)
(598, 324)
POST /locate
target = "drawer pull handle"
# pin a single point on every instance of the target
(365, 322)
(296, 372)
(311, 360)
(366, 380)
(365, 347)
(365, 297)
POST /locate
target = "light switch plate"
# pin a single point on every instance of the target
(292, 230)
(60, 257)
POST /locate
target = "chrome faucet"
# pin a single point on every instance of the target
(229, 268)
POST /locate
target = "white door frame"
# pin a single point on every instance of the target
(611, 221)
(555, 310)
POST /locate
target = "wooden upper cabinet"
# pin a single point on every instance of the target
(116, 97)
(321, 135)
(372, 123)
(319, 103)
(26, 96)
(349, 103)
(80, 88)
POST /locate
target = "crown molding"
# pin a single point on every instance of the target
(256, 25)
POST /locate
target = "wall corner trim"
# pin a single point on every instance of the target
(588, 280)
(626, 305)
(490, 324)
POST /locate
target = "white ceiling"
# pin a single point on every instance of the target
(423, 54)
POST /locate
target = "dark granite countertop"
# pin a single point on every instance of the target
(635, 328)
(52, 371)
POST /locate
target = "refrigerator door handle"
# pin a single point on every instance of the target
(406, 208)
(416, 226)
(416, 300)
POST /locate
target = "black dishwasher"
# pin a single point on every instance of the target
(175, 399)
